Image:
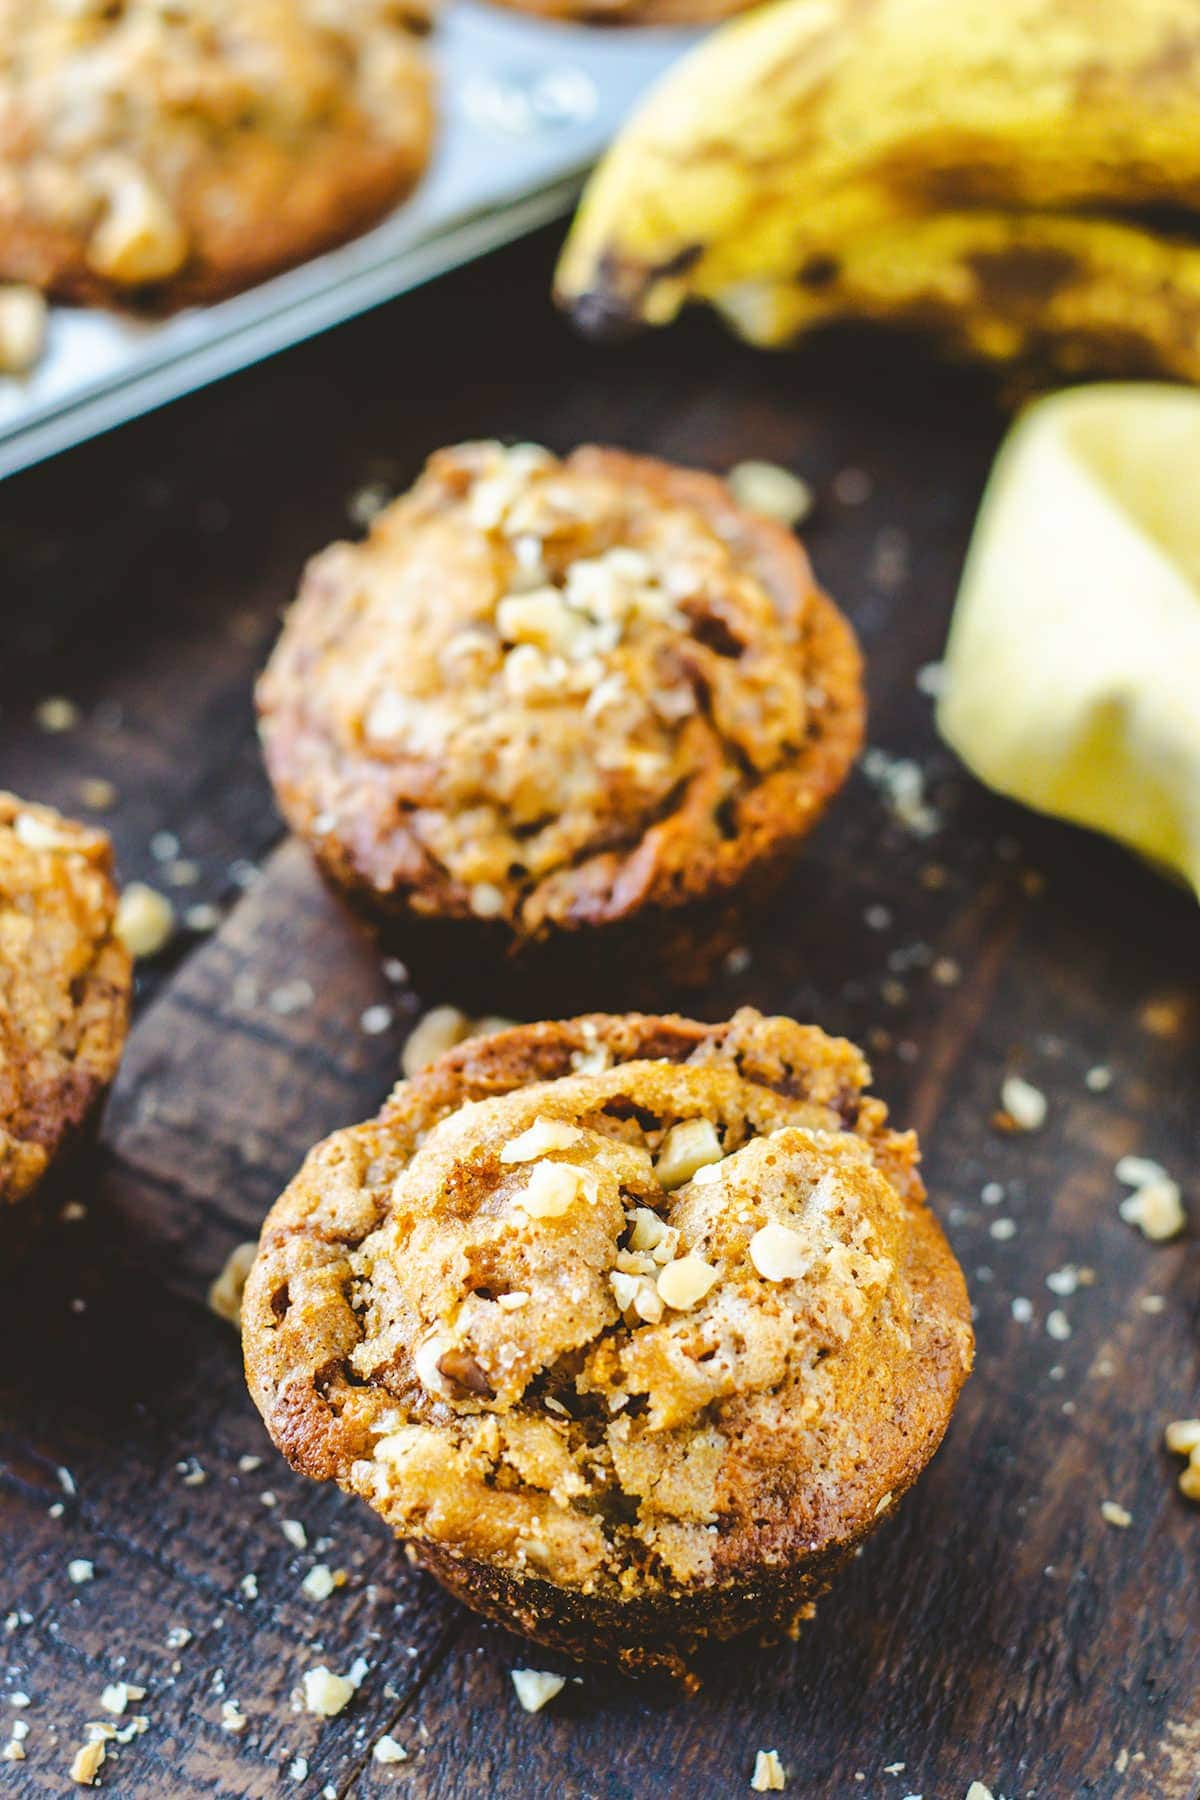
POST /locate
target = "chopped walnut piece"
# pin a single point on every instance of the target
(778, 1253)
(688, 1146)
(138, 238)
(1183, 1439)
(768, 1776)
(543, 1135)
(551, 1191)
(225, 1293)
(433, 1034)
(439, 1030)
(22, 329)
(684, 1282)
(118, 1694)
(39, 833)
(88, 1761)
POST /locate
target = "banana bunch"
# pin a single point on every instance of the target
(1020, 178)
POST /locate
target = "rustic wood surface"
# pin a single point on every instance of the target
(998, 1628)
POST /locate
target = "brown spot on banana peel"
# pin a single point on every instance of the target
(614, 307)
(1023, 275)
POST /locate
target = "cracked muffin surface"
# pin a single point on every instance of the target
(180, 152)
(545, 695)
(631, 1327)
(65, 983)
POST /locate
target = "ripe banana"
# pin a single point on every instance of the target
(1021, 178)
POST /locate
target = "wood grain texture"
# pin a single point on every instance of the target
(997, 1628)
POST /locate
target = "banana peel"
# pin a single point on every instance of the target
(1072, 671)
(966, 166)
(1049, 291)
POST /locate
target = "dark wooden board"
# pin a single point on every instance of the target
(997, 1629)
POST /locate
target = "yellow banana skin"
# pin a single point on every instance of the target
(779, 166)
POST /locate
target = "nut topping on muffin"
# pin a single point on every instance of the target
(544, 696)
(65, 982)
(704, 1389)
(191, 150)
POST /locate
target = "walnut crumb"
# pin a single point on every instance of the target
(118, 1694)
(1024, 1104)
(1155, 1206)
(768, 1776)
(326, 1694)
(145, 920)
(321, 1581)
(535, 1687)
(202, 917)
(233, 1719)
(1182, 1438)
(88, 1761)
(388, 1751)
(773, 492)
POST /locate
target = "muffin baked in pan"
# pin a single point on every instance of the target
(65, 984)
(631, 1327)
(632, 12)
(169, 154)
(561, 717)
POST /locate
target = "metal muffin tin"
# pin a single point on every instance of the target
(526, 106)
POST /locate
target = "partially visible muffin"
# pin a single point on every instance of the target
(589, 705)
(179, 152)
(65, 983)
(632, 12)
(632, 1327)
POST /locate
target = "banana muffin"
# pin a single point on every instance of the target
(65, 982)
(632, 12)
(172, 153)
(568, 715)
(631, 1327)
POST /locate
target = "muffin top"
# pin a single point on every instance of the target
(547, 691)
(64, 985)
(622, 1303)
(199, 144)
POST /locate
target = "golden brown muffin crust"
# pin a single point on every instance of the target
(65, 984)
(629, 1310)
(176, 153)
(552, 694)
